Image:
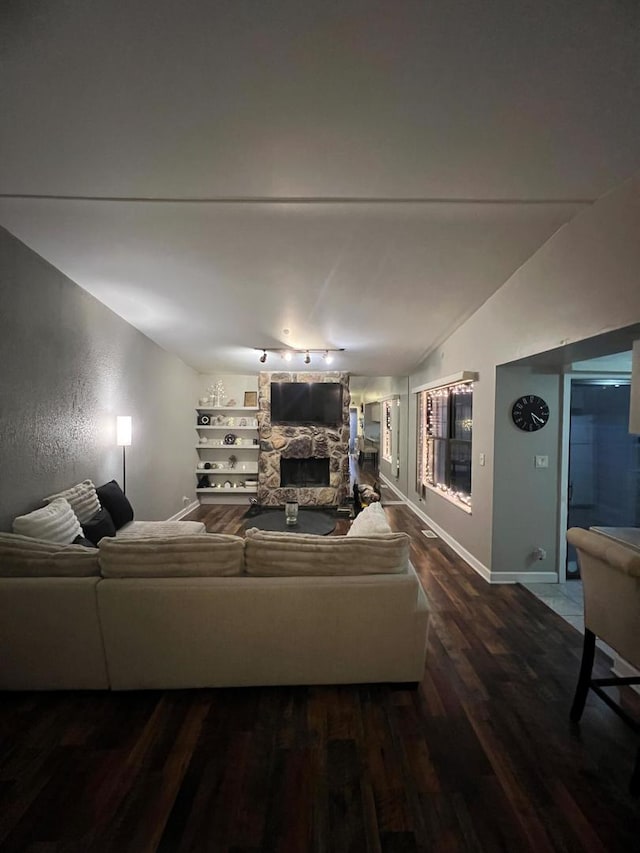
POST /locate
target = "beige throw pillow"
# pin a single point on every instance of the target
(372, 519)
(56, 522)
(82, 498)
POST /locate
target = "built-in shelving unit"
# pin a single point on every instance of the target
(227, 483)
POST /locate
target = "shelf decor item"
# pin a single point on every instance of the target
(230, 438)
(219, 394)
(251, 398)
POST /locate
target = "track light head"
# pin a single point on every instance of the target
(288, 354)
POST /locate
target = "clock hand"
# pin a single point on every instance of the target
(536, 418)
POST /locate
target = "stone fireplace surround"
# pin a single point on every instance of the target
(302, 442)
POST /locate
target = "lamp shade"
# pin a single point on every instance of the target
(123, 430)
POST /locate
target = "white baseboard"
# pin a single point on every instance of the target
(524, 577)
(484, 572)
(460, 550)
(184, 511)
(393, 488)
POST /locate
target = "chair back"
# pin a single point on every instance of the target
(610, 573)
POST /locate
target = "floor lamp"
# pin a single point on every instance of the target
(123, 439)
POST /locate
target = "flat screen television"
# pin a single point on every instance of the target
(306, 403)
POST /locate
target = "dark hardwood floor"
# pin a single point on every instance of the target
(481, 757)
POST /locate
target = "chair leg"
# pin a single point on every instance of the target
(634, 784)
(588, 653)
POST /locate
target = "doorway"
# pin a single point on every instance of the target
(353, 430)
(604, 460)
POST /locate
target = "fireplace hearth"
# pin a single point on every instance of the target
(304, 473)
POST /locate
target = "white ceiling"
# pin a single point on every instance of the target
(365, 174)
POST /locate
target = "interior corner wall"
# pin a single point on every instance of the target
(235, 385)
(69, 366)
(582, 283)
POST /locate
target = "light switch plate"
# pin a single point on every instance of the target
(482, 459)
(542, 462)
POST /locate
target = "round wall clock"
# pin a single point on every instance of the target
(530, 413)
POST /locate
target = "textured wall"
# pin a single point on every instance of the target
(68, 367)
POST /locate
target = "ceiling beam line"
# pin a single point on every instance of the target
(297, 200)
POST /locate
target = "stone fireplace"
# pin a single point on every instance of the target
(306, 463)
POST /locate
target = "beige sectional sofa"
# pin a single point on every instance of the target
(208, 610)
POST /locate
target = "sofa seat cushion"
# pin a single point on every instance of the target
(82, 498)
(201, 555)
(140, 529)
(269, 554)
(372, 519)
(25, 557)
(56, 522)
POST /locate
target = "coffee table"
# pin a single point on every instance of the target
(309, 521)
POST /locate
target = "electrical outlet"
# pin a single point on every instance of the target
(540, 554)
(542, 461)
(185, 500)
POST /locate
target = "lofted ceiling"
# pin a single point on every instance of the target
(363, 174)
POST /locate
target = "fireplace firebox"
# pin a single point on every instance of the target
(311, 471)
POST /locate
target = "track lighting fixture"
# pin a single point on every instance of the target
(287, 354)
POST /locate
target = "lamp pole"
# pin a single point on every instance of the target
(123, 439)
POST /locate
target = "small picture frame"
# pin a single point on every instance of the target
(251, 398)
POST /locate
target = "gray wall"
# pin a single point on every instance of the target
(525, 514)
(69, 366)
(582, 283)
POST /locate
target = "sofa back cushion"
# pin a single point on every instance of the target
(25, 557)
(82, 498)
(199, 555)
(56, 522)
(270, 554)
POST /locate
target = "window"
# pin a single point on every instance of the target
(387, 431)
(445, 423)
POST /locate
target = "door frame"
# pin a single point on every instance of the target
(563, 467)
(563, 485)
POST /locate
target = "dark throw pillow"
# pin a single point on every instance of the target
(99, 525)
(82, 540)
(114, 500)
